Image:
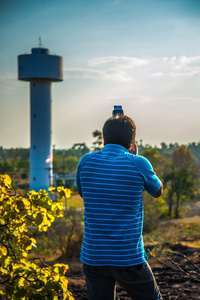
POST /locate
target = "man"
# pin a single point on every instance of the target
(111, 183)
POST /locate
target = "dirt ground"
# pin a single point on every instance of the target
(177, 274)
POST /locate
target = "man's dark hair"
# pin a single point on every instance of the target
(120, 130)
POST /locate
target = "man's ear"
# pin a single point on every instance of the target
(134, 149)
(132, 146)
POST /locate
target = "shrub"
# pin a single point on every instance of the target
(20, 277)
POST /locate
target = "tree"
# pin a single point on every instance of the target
(68, 231)
(182, 178)
(80, 149)
(20, 277)
(98, 143)
(23, 164)
(57, 163)
(154, 208)
(5, 168)
(158, 161)
(71, 163)
(164, 147)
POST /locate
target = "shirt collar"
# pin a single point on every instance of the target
(114, 147)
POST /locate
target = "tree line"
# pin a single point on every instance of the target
(176, 165)
(66, 160)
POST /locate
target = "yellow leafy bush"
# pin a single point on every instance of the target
(20, 277)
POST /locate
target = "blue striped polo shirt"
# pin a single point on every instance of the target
(111, 182)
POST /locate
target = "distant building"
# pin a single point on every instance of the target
(68, 178)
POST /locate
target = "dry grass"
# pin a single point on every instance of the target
(184, 231)
(75, 201)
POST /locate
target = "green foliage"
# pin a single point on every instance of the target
(68, 232)
(195, 149)
(67, 160)
(5, 167)
(154, 209)
(21, 277)
(59, 182)
(80, 149)
(65, 235)
(181, 179)
(71, 163)
(17, 153)
(65, 164)
(159, 162)
(23, 164)
(74, 188)
(98, 143)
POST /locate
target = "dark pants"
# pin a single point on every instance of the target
(138, 281)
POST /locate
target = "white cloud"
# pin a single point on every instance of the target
(97, 74)
(187, 66)
(9, 82)
(112, 68)
(159, 74)
(8, 76)
(189, 60)
(123, 68)
(176, 67)
(122, 62)
(83, 73)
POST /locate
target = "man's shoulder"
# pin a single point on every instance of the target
(142, 160)
(142, 164)
(138, 159)
(86, 157)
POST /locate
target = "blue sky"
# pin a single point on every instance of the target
(142, 54)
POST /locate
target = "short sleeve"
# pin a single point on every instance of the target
(152, 182)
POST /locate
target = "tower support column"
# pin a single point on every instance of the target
(40, 149)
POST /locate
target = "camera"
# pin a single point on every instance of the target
(117, 110)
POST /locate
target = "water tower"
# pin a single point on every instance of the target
(40, 68)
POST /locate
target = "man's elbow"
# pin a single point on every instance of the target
(159, 192)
